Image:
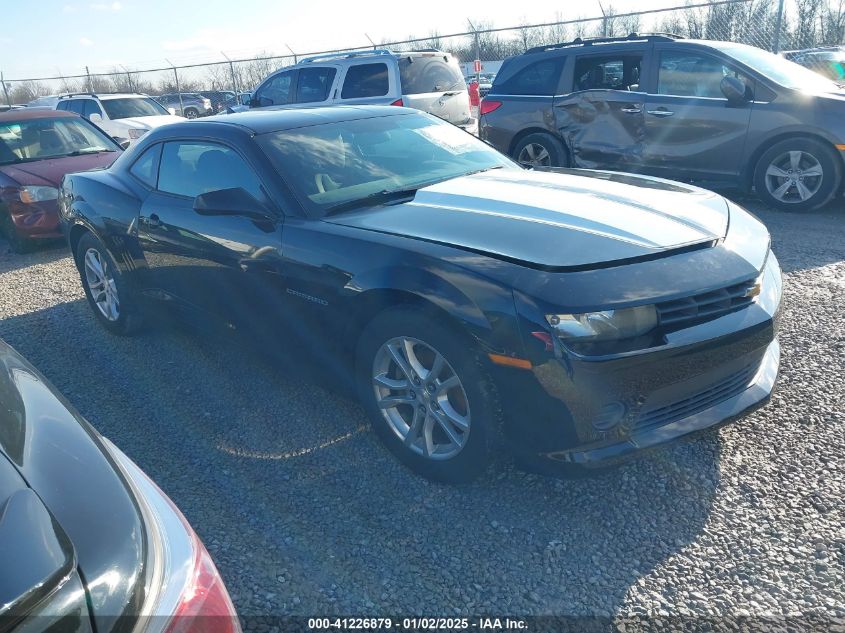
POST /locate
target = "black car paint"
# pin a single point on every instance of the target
(310, 283)
(83, 505)
(704, 140)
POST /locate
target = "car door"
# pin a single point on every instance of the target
(216, 268)
(692, 131)
(600, 118)
(278, 90)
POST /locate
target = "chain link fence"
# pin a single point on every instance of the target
(775, 25)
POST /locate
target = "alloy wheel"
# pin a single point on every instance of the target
(794, 177)
(100, 282)
(421, 398)
(534, 155)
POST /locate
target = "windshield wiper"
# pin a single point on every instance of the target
(379, 197)
(90, 150)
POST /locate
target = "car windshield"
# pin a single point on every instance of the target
(788, 74)
(334, 165)
(129, 107)
(40, 139)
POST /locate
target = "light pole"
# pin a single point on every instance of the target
(178, 89)
(778, 22)
(232, 71)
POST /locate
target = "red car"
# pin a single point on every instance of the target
(37, 148)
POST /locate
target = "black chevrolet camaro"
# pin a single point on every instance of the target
(575, 316)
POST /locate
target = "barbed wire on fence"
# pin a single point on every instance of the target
(762, 23)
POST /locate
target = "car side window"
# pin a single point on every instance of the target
(145, 168)
(314, 84)
(539, 78)
(277, 90)
(610, 72)
(63, 105)
(693, 74)
(74, 105)
(365, 80)
(90, 107)
(190, 168)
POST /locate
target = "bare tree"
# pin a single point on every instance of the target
(807, 13)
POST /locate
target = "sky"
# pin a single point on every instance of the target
(46, 38)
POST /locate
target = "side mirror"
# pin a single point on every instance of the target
(245, 99)
(96, 118)
(123, 142)
(234, 201)
(733, 89)
(172, 111)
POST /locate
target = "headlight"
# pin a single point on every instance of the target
(606, 325)
(136, 132)
(38, 194)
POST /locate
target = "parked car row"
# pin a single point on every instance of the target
(705, 111)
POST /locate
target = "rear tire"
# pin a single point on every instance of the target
(107, 292)
(797, 174)
(446, 417)
(540, 150)
(191, 113)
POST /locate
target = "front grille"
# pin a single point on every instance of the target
(724, 389)
(687, 311)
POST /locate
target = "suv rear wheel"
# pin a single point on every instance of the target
(191, 113)
(540, 150)
(797, 174)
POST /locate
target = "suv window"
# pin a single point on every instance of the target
(190, 168)
(539, 78)
(89, 107)
(145, 168)
(365, 80)
(611, 72)
(71, 105)
(314, 84)
(128, 107)
(694, 75)
(277, 90)
(428, 74)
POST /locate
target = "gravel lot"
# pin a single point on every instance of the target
(305, 512)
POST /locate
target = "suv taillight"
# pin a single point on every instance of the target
(488, 106)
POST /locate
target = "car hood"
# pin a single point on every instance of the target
(50, 172)
(63, 460)
(150, 122)
(556, 220)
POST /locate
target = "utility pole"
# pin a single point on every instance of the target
(5, 90)
(604, 19)
(128, 77)
(90, 85)
(778, 23)
(232, 71)
(178, 89)
(477, 49)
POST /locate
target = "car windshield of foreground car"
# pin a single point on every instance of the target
(349, 164)
(126, 108)
(786, 73)
(40, 139)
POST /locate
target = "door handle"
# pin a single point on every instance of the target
(634, 110)
(152, 221)
(661, 112)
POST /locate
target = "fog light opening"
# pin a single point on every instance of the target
(610, 416)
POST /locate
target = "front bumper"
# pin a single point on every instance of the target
(753, 396)
(38, 220)
(591, 410)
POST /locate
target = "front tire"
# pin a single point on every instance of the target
(540, 150)
(428, 395)
(17, 243)
(191, 113)
(797, 174)
(105, 288)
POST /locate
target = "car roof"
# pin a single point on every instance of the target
(263, 121)
(24, 114)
